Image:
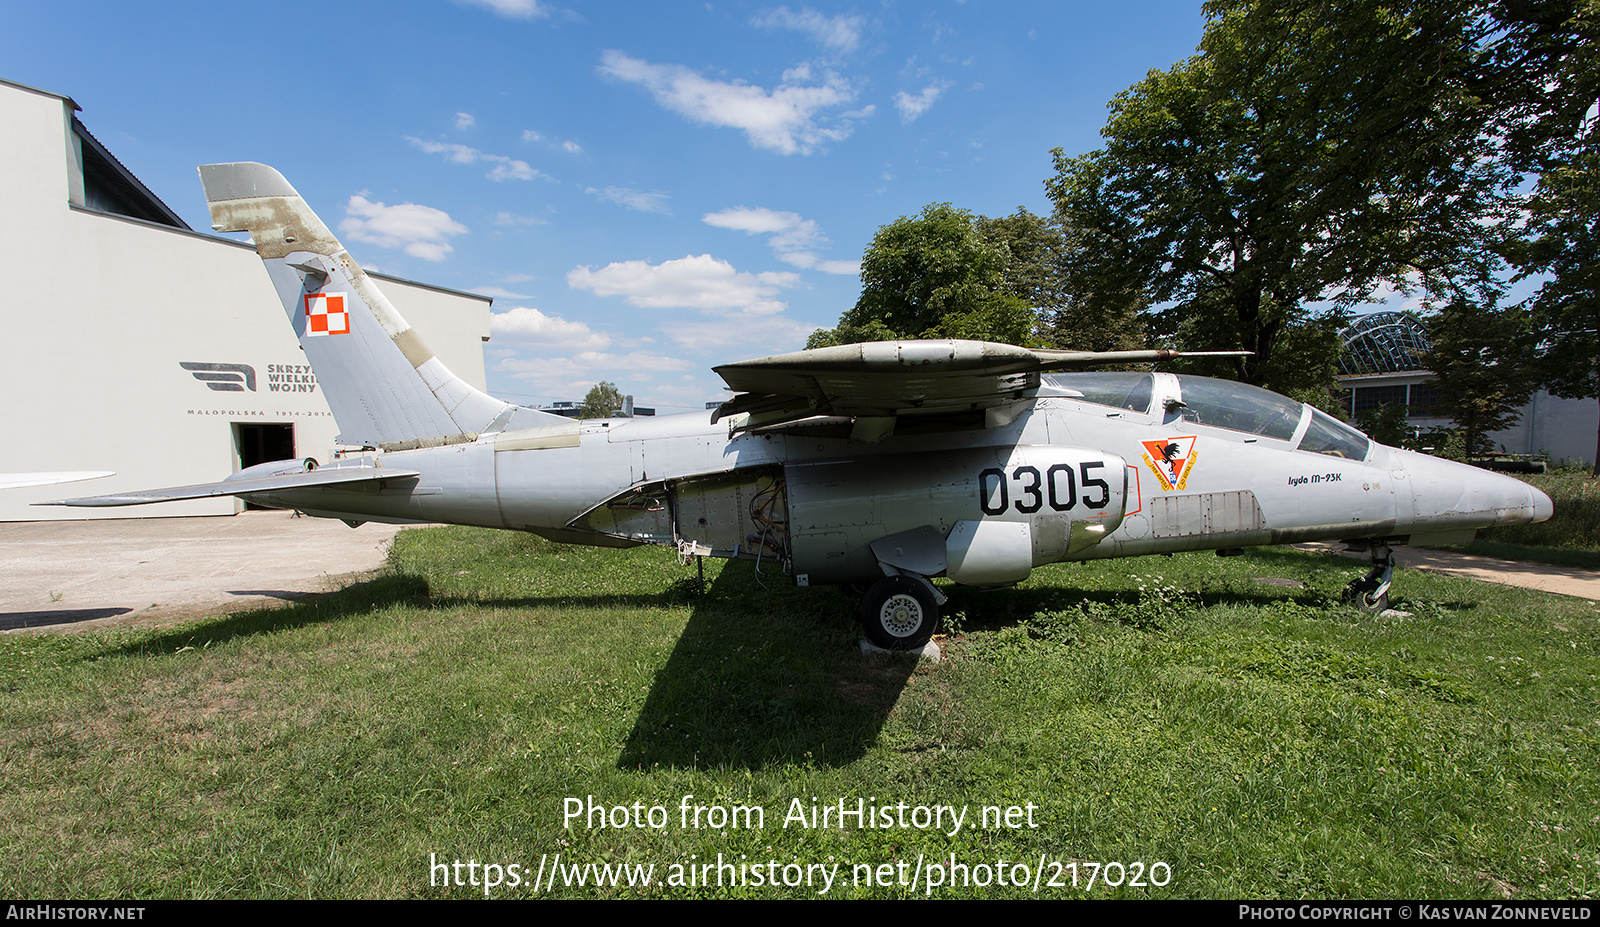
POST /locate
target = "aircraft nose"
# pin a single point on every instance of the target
(1449, 495)
(1513, 501)
(1543, 508)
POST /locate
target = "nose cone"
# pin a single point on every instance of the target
(1513, 501)
(1449, 496)
(1543, 508)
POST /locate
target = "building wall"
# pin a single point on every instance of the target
(1564, 430)
(100, 311)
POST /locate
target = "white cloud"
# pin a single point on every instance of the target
(504, 168)
(634, 360)
(465, 121)
(773, 336)
(911, 107)
(454, 153)
(510, 169)
(785, 120)
(567, 145)
(512, 219)
(497, 292)
(421, 231)
(573, 376)
(694, 281)
(837, 33)
(511, 9)
(549, 332)
(634, 199)
(794, 238)
(763, 221)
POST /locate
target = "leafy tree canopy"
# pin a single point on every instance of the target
(947, 273)
(1309, 155)
(1543, 76)
(603, 401)
(1482, 358)
(932, 276)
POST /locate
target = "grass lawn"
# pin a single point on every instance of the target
(1172, 727)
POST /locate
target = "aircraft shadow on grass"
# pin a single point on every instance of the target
(748, 692)
(743, 686)
(313, 609)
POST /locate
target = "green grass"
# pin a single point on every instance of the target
(1257, 740)
(1570, 538)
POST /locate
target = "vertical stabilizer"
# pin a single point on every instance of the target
(385, 387)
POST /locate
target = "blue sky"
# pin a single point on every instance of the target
(646, 189)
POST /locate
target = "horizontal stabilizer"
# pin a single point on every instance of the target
(327, 476)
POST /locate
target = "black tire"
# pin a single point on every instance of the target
(899, 613)
(1363, 593)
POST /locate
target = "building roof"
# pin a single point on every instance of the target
(111, 187)
(1384, 342)
(108, 184)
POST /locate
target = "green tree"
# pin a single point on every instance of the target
(932, 276)
(1312, 153)
(1543, 75)
(1385, 424)
(1483, 360)
(1565, 211)
(1038, 273)
(947, 273)
(603, 401)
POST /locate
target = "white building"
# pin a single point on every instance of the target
(1381, 366)
(132, 343)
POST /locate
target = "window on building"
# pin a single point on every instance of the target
(1372, 397)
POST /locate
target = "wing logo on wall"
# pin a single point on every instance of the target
(224, 378)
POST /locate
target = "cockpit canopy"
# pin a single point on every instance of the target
(1218, 404)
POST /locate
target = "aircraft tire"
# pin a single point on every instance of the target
(1362, 593)
(899, 613)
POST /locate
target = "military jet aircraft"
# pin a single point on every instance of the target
(877, 465)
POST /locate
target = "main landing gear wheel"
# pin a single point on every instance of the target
(899, 613)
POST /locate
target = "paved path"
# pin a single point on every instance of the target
(1573, 581)
(144, 571)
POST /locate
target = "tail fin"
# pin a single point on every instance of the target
(385, 387)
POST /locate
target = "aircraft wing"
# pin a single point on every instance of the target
(308, 479)
(874, 382)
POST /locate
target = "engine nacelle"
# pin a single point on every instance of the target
(274, 468)
(983, 516)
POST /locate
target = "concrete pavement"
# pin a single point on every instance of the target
(1573, 581)
(142, 571)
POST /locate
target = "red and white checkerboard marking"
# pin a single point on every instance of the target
(326, 314)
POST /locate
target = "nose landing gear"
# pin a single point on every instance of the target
(1371, 592)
